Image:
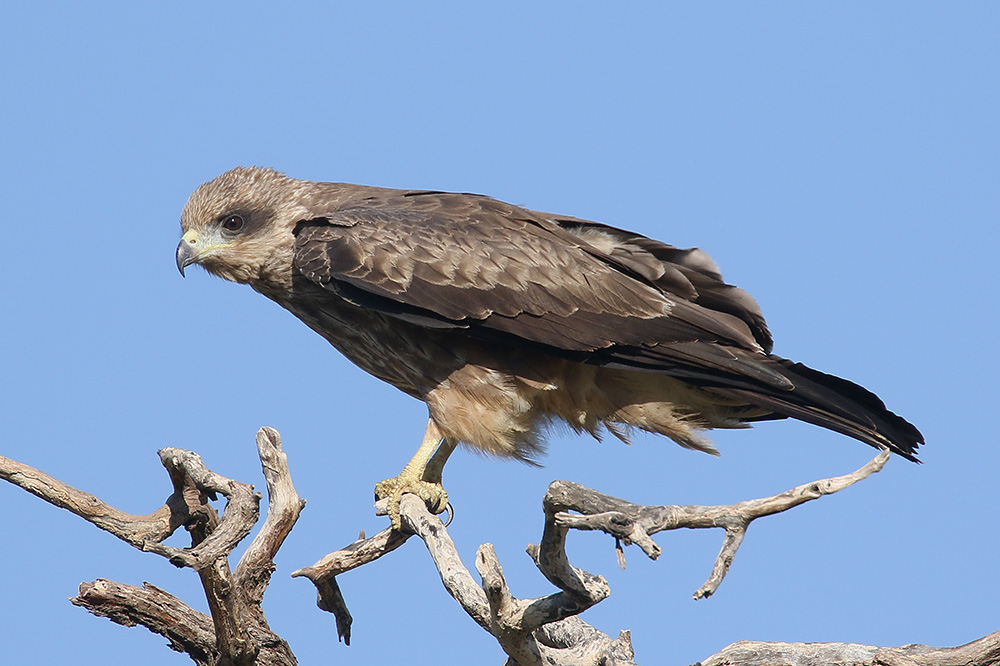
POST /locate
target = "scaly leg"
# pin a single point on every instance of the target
(421, 476)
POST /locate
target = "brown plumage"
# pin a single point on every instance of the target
(504, 319)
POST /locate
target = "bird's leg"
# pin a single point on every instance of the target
(421, 476)
(435, 466)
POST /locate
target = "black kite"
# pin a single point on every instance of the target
(503, 319)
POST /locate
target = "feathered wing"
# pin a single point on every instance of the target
(576, 288)
(473, 262)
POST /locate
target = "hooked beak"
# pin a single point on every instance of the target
(187, 250)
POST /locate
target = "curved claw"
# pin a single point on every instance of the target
(451, 513)
(433, 495)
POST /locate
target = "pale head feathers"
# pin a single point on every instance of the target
(263, 203)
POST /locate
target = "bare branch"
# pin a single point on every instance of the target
(456, 578)
(533, 632)
(186, 629)
(192, 480)
(231, 614)
(133, 529)
(547, 630)
(584, 589)
(982, 652)
(284, 505)
(536, 631)
(505, 612)
(359, 552)
(237, 633)
(633, 523)
(187, 469)
(324, 573)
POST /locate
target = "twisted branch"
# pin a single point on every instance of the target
(547, 630)
(633, 523)
(236, 633)
(533, 632)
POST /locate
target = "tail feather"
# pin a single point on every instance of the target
(835, 403)
(786, 388)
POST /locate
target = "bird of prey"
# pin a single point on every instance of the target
(504, 320)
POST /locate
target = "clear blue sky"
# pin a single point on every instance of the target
(838, 160)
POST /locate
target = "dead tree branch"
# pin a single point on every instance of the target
(237, 632)
(983, 652)
(535, 631)
(517, 623)
(186, 629)
(324, 573)
(548, 630)
(134, 530)
(632, 523)
(532, 632)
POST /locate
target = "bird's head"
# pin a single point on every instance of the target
(235, 224)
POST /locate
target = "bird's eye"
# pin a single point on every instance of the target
(232, 222)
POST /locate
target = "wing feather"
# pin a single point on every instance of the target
(493, 268)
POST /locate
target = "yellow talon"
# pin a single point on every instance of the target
(421, 477)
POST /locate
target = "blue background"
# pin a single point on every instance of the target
(838, 160)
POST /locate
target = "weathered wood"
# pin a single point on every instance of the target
(982, 652)
(236, 633)
(133, 529)
(634, 524)
(253, 573)
(185, 629)
(533, 632)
